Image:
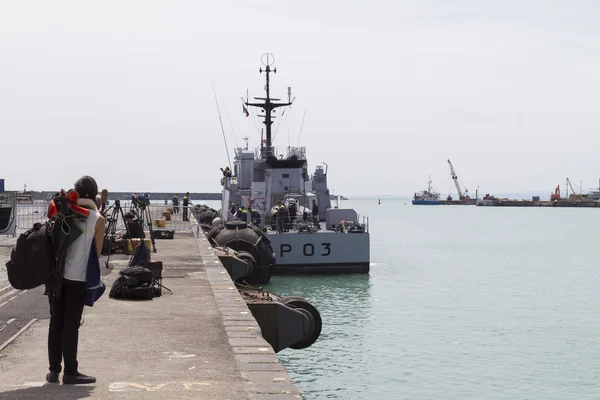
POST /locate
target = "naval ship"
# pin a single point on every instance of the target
(336, 240)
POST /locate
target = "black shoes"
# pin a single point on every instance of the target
(52, 377)
(79, 379)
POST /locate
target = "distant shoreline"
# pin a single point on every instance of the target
(124, 196)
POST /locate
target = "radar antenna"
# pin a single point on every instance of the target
(267, 104)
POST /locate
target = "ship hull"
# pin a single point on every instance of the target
(426, 202)
(323, 252)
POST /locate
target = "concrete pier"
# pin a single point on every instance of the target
(200, 342)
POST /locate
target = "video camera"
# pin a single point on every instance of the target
(141, 200)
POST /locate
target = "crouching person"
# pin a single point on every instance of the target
(66, 306)
(135, 230)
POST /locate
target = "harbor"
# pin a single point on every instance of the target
(318, 201)
(268, 223)
(461, 305)
(431, 196)
(539, 203)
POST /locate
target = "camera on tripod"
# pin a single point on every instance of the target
(140, 201)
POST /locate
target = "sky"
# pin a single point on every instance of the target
(386, 92)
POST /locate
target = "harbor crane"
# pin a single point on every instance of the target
(574, 194)
(461, 196)
(556, 195)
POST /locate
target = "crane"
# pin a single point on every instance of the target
(574, 194)
(556, 195)
(461, 196)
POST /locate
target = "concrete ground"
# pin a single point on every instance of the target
(200, 342)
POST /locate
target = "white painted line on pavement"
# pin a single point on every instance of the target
(12, 298)
(8, 294)
(5, 288)
(10, 321)
(16, 335)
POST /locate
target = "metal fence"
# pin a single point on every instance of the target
(28, 214)
(162, 216)
(170, 217)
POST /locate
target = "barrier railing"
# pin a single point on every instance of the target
(28, 214)
(163, 216)
(170, 217)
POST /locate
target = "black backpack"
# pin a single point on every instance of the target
(140, 274)
(134, 283)
(32, 259)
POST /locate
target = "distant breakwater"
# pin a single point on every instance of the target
(124, 196)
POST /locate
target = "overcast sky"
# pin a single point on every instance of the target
(122, 90)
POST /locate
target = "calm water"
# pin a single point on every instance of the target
(461, 303)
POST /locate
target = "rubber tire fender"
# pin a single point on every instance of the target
(300, 303)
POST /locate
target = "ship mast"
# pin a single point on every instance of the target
(268, 105)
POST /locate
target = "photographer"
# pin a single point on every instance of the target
(66, 306)
(134, 227)
(135, 230)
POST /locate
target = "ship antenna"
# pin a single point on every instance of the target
(267, 105)
(231, 125)
(301, 126)
(221, 121)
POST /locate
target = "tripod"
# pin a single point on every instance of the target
(111, 227)
(145, 216)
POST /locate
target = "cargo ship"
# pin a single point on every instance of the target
(427, 197)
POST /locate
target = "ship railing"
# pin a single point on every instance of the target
(298, 223)
(365, 222)
(299, 152)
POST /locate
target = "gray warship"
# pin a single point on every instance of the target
(335, 242)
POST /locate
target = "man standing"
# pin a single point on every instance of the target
(315, 212)
(282, 217)
(293, 209)
(66, 306)
(186, 203)
(175, 201)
